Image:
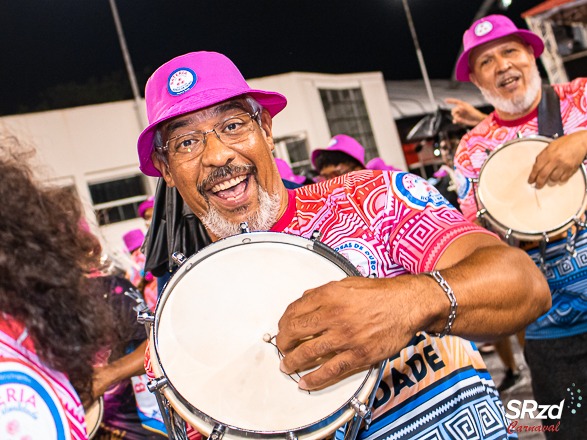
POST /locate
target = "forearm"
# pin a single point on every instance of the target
(499, 291)
(127, 366)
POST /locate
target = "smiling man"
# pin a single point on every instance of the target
(500, 60)
(210, 135)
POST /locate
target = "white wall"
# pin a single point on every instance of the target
(304, 111)
(83, 145)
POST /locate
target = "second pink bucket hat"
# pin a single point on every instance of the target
(488, 29)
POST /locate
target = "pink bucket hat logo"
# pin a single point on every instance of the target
(189, 83)
(488, 29)
(181, 81)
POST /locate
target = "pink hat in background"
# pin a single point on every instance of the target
(192, 82)
(379, 164)
(488, 29)
(287, 173)
(149, 203)
(344, 144)
(133, 239)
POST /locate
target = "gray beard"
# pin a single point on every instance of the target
(261, 220)
(519, 105)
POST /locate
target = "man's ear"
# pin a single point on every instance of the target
(163, 168)
(267, 127)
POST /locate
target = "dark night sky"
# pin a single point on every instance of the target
(51, 42)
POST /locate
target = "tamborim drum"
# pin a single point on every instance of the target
(94, 416)
(517, 208)
(210, 340)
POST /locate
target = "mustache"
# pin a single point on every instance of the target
(222, 173)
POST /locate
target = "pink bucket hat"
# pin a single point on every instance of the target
(344, 144)
(287, 173)
(192, 82)
(488, 29)
(149, 203)
(379, 164)
(133, 239)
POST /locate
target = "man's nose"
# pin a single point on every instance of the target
(503, 64)
(216, 153)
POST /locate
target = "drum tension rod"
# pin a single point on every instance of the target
(244, 228)
(157, 384)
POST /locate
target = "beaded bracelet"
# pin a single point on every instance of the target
(451, 297)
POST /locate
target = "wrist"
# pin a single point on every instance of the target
(443, 310)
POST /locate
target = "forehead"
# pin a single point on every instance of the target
(496, 45)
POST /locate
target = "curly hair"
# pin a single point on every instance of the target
(44, 254)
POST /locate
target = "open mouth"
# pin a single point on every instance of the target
(231, 189)
(510, 81)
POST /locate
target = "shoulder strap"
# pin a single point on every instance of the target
(550, 123)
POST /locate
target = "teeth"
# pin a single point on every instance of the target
(228, 184)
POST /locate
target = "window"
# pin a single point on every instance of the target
(117, 200)
(294, 147)
(347, 114)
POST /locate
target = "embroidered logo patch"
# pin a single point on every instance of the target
(483, 28)
(181, 80)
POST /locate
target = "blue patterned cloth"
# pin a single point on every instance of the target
(567, 278)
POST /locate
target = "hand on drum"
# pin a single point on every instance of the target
(345, 326)
(560, 160)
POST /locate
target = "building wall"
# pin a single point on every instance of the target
(304, 112)
(83, 145)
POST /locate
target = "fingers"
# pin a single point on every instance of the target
(453, 101)
(332, 371)
(302, 320)
(311, 352)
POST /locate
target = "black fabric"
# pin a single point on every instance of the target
(174, 228)
(550, 123)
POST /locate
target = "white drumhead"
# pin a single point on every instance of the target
(514, 204)
(209, 336)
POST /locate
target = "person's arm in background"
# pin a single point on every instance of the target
(560, 160)
(126, 367)
(464, 113)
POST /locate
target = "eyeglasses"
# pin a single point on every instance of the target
(230, 131)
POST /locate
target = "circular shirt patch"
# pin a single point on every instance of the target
(181, 80)
(29, 407)
(483, 28)
(417, 192)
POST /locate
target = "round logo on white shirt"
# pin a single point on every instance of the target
(483, 28)
(181, 80)
(30, 408)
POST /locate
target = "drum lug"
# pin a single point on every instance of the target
(244, 228)
(316, 235)
(145, 317)
(361, 409)
(178, 258)
(217, 432)
(290, 436)
(157, 384)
